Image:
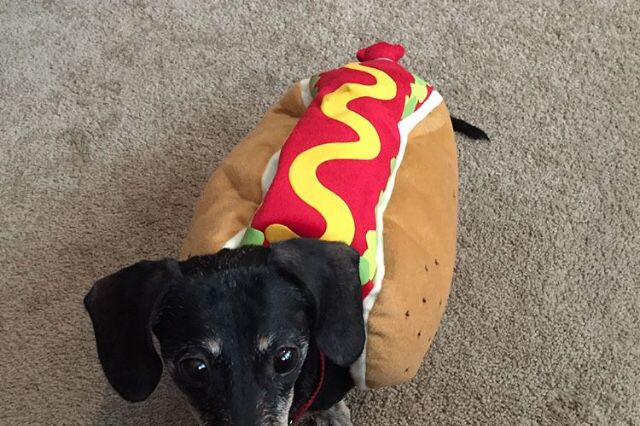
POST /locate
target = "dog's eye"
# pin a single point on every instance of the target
(285, 360)
(194, 370)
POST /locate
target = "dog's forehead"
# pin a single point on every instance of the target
(236, 304)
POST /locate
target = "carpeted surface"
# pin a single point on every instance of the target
(113, 114)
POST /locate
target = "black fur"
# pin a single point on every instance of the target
(122, 307)
(335, 294)
(303, 293)
(467, 129)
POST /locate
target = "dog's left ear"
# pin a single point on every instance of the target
(122, 307)
(328, 271)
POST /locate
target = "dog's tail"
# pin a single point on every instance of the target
(469, 130)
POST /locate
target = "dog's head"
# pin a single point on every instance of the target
(237, 330)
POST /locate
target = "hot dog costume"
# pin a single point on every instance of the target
(362, 154)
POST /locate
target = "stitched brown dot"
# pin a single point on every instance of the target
(419, 333)
(426, 268)
(424, 300)
(406, 314)
(440, 302)
(406, 370)
(436, 261)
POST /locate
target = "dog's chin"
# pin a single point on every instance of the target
(281, 415)
(199, 417)
(276, 416)
(276, 420)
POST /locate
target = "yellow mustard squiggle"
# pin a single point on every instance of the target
(303, 171)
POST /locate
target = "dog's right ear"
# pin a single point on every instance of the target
(328, 271)
(122, 307)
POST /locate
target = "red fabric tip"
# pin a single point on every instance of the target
(381, 50)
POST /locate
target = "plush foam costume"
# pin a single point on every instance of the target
(362, 154)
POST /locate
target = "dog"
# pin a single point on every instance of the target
(240, 331)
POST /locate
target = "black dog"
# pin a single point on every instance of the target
(253, 336)
(241, 331)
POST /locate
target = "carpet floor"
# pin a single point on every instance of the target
(113, 114)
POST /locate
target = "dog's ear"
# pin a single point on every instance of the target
(122, 307)
(328, 272)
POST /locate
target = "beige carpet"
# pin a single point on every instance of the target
(113, 114)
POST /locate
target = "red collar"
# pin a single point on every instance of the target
(304, 407)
